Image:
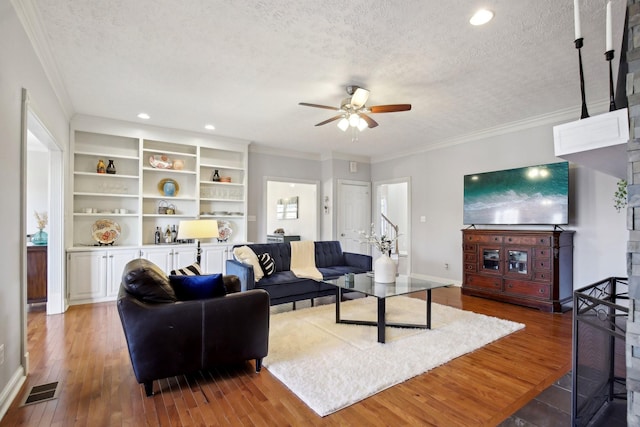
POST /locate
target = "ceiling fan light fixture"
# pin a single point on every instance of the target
(359, 97)
(362, 124)
(353, 113)
(481, 17)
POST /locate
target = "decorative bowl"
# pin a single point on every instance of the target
(160, 161)
(224, 231)
(178, 164)
(105, 231)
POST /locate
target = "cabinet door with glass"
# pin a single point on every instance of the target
(491, 259)
(517, 262)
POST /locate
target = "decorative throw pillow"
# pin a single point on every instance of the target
(267, 264)
(245, 255)
(189, 270)
(198, 287)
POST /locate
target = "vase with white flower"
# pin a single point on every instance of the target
(384, 268)
(40, 238)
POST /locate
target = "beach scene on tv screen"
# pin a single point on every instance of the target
(529, 195)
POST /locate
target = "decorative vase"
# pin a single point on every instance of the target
(169, 189)
(100, 167)
(384, 269)
(40, 238)
(111, 168)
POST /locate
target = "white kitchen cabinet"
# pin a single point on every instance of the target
(116, 260)
(95, 275)
(170, 257)
(214, 259)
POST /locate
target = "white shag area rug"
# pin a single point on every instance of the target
(331, 366)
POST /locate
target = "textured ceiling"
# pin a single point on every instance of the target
(244, 65)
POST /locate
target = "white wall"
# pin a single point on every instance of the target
(437, 193)
(19, 69)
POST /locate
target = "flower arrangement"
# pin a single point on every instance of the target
(382, 243)
(42, 219)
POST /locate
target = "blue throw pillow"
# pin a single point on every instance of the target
(198, 287)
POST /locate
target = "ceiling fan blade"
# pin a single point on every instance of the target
(330, 120)
(326, 107)
(390, 108)
(359, 98)
(372, 123)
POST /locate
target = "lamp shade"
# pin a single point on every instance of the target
(359, 97)
(343, 124)
(197, 229)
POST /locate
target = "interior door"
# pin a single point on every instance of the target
(354, 215)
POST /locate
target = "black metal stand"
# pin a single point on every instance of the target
(579, 45)
(599, 389)
(612, 103)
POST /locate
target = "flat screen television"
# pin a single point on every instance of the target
(530, 195)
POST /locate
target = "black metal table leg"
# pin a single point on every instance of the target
(381, 319)
(338, 299)
(428, 308)
(381, 322)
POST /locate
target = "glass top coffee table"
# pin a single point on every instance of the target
(365, 284)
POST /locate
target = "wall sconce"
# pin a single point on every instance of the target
(326, 204)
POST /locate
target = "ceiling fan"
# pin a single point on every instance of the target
(354, 113)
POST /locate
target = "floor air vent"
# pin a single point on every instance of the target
(41, 393)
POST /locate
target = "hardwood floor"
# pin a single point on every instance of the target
(85, 351)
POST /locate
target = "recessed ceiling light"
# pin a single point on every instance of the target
(481, 17)
(144, 116)
(210, 127)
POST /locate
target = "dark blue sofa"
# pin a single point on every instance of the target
(283, 286)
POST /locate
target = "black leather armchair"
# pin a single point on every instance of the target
(167, 337)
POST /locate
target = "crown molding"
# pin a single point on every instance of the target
(336, 155)
(553, 118)
(258, 148)
(32, 23)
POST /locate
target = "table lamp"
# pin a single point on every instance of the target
(198, 229)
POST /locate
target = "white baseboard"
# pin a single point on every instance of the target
(10, 392)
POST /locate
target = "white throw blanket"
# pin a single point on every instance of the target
(303, 260)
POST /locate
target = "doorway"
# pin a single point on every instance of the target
(292, 206)
(39, 147)
(392, 210)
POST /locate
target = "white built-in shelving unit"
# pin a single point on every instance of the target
(131, 198)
